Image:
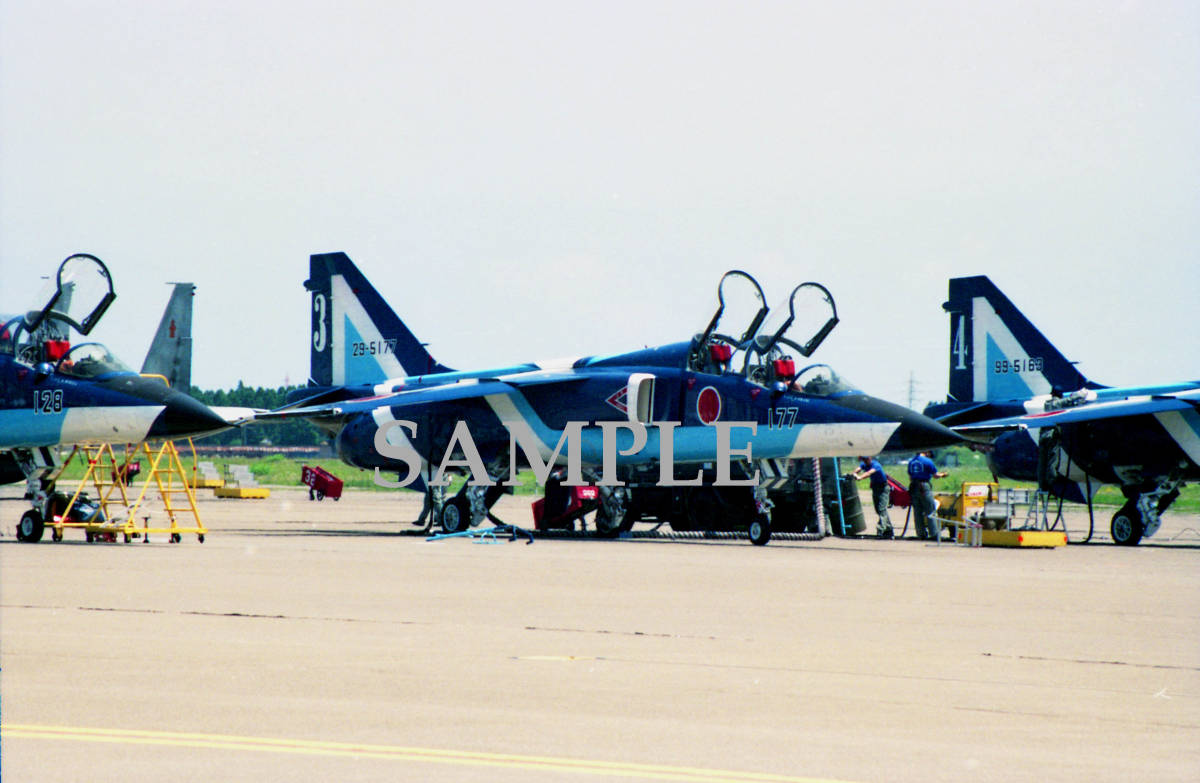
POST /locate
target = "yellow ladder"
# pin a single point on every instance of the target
(116, 514)
(168, 475)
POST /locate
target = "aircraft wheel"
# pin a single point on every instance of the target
(31, 527)
(760, 530)
(606, 528)
(1127, 526)
(456, 514)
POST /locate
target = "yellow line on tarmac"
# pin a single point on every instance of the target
(393, 752)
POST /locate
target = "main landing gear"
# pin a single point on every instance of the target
(612, 517)
(473, 504)
(1141, 515)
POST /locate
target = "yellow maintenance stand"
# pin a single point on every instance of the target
(982, 514)
(204, 475)
(240, 483)
(111, 512)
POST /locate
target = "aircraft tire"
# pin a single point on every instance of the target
(760, 530)
(606, 529)
(31, 527)
(1127, 526)
(456, 514)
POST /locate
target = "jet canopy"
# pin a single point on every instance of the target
(798, 325)
(77, 296)
(741, 308)
(763, 340)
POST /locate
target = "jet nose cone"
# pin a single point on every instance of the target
(918, 433)
(183, 417)
(915, 432)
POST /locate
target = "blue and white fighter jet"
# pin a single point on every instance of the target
(1059, 428)
(53, 392)
(731, 396)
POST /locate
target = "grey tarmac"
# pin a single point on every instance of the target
(323, 641)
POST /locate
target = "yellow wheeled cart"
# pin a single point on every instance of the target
(968, 502)
(983, 514)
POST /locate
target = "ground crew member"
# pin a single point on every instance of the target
(921, 471)
(434, 499)
(881, 492)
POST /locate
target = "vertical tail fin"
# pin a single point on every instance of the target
(170, 353)
(996, 353)
(356, 338)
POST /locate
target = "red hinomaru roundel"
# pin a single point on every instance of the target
(708, 405)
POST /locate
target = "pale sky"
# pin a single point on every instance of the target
(526, 180)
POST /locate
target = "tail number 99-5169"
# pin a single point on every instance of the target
(1028, 364)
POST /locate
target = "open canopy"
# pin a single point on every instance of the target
(741, 308)
(77, 296)
(800, 323)
(74, 298)
(745, 336)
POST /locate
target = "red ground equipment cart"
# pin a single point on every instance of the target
(899, 496)
(321, 483)
(563, 505)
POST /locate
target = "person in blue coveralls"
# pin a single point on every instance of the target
(921, 471)
(881, 492)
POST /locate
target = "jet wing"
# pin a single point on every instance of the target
(462, 390)
(987, 431)
(539, 377)
(327, 406)
(1096, 411)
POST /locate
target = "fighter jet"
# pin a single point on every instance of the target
(731, 396)
(53, 392)
(1055, 426)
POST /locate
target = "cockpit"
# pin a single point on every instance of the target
(75, 298)
(47, 343)
(820, 380)
(741, 308)
(89, 361)
(763, 344)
